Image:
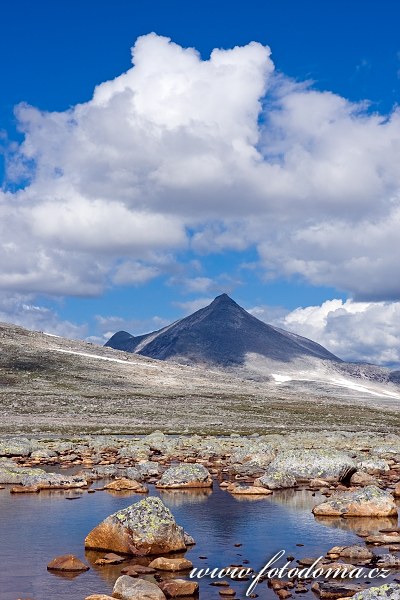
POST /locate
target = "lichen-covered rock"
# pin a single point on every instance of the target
(133, 473)
(390, 591)
(146, 527)
(364, 502)
(388, 561)
(276, 480)
(104, 472)
(48, 481)
(128, 588)
(308, 464)
(373, 466)
(10, 473)
(148, 468)
(16, 447)
(43, 454)
(137, 451)
(185, 476)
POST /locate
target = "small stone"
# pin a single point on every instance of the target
(176, 588)
(171, 564)
(67, 562)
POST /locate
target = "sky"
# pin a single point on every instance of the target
(155, 154)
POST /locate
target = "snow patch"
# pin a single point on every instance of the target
(97, 357)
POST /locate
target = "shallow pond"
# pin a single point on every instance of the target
(36, 528)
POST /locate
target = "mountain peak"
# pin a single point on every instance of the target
(221, 333)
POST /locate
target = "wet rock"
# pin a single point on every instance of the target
(138, 569)
(355, 552)
(384, 592)
(383, 539)
(120, 485)
(248, 490)
(176, 588)
(67, 562)
(275, 480)
(364, 502)
(309, 464)
(388, 561)
(127, 588)
(99, 597)
(171, 564)
(185, 476)
(110, 559)
(146, 527)
(327, 590)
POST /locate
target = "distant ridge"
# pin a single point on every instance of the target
(222, 333)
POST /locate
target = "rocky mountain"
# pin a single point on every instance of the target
(222, 333)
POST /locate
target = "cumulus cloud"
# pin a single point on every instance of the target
(211, 155)
(354, 331)
(21, 309)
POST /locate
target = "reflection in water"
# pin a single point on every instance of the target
(66, 574)
(49, 526)
(359, 525)
(189, 496)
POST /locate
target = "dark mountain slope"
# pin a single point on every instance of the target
(221, 333)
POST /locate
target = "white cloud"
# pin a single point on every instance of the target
(223, 151)
(354, 331)
(20, 309)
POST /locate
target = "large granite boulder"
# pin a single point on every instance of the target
(308, 464)
(185, 476)
(128, 588)
(390, 591)
(370, 501)
(146, 527)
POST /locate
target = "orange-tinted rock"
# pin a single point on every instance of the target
(171, 564)
(176, 588)
(120, 485)
(67, 562)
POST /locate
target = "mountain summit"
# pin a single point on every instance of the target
(222, 333)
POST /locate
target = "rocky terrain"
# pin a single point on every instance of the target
(356, 475)
(51, 384)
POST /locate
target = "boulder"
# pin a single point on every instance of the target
(67, 562)
(176, 588)
(148, 468)
(16, 447)
(128, 588)
(185, 476)
(329, 590)
(10, 473)
(390, 591)
(276, 480)
(171, 564)
(356, 553)
(309, 464)
(146, 527)
(388, 561)
(124, 484)
(133, 473)
(370, 501)
(53, 481)
(396, 492)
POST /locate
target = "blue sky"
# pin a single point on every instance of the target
(255, 174)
